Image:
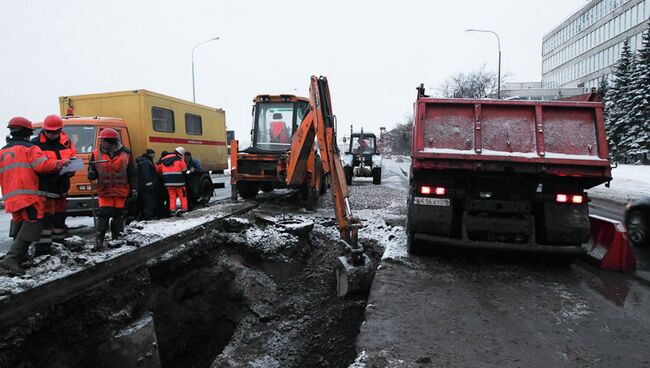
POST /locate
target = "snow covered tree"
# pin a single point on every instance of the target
(603, 87)
(636, 140)
(617, 101)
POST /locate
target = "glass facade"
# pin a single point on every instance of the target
(583, 48)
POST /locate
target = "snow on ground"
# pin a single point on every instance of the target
(43, 269)
(629, 182)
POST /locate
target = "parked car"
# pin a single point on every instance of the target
(637, 221)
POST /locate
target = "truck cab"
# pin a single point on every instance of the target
(362, 158)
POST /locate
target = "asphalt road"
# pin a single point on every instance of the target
(486, 309)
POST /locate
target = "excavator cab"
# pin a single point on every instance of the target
(259, 167)
(275, 118)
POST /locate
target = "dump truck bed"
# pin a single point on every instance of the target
(548, 138)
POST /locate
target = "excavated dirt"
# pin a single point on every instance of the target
(248, 293)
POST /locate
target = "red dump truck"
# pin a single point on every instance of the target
(504, 174)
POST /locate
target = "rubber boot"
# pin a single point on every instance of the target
(41, 249)
(102, 227)
(15, 257)
(117, 227)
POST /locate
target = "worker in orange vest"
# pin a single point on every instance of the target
(56, 145)
(113, 168)
(20, 161)
(172, 168)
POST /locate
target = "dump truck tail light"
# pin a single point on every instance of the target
(577, 199)
(433, 190)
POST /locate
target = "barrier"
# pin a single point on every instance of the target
(609, 247)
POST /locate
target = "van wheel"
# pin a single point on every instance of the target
(206, 191)
(248, 190)
(376, 176)
(348, 174)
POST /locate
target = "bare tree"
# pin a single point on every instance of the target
(399, 138)
(477, 84)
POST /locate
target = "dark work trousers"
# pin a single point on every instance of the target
(149, 199)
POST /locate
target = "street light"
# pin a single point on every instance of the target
(499, 44)
(193, 48)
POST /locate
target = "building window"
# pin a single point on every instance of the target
(162, 120)
(193, 124)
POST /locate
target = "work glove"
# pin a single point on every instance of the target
(134, 194)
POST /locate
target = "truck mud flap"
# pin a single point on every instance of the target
(609, 247)
(569, 250)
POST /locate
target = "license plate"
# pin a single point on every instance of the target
(426, 201)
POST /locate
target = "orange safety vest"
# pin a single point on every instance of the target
(19, 162)
(172, 167)
(112, 178)
(55, 185)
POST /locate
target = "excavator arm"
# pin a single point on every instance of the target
(319, 123)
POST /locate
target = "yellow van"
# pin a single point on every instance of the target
(145, 119)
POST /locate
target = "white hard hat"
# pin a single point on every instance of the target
(180, 150)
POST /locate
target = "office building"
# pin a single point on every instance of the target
(585, 46)
(535, 91)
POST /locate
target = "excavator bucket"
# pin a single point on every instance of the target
(609, 248)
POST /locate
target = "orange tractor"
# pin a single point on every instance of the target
(273, 161)
(263, 165)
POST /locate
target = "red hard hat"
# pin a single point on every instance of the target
(19, 122)
(53, 122)
(108, 133)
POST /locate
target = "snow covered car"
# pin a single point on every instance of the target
(637, 221)
(362, 158)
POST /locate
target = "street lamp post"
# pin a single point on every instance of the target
(193, 48)
(499, 45)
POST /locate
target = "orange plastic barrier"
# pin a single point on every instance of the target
(609, 247)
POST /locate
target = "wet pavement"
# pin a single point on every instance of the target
(484, 309)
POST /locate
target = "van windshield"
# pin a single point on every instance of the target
(82, 136)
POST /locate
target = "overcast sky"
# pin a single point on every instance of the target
(374, 53)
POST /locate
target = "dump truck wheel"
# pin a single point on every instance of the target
(248, 190)
(376, 176)
(348, 174)
(412, 245)
(637, 228)
(267, 187)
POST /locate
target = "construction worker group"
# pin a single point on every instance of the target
(35, 179)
